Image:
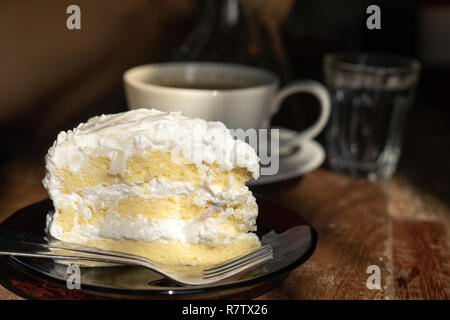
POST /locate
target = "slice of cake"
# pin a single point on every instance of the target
(155, 184)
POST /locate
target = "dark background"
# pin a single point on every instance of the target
(53, 78)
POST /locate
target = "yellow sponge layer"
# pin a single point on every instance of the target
(151, 165)
(179, 207)
(178, 253)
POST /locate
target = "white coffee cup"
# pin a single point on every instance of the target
(239, 96)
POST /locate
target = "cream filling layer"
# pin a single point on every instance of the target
(109, 196)
(202, 229)
(140, 228)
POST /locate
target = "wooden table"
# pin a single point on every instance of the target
(396, 225)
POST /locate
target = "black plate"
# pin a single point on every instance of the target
(292, 238)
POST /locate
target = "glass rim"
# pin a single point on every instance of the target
(351, 61)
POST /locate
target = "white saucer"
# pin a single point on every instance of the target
(308, 157)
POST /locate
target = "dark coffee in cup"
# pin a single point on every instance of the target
(202, 85)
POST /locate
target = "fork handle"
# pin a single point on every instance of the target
(38, 250)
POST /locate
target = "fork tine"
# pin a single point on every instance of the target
(239, 269)
(264, 248)
(239, 263)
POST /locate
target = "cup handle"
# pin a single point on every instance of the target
(317, 90)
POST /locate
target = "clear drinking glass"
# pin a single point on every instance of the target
(370, 94)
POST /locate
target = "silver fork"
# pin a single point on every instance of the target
(184, 275)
